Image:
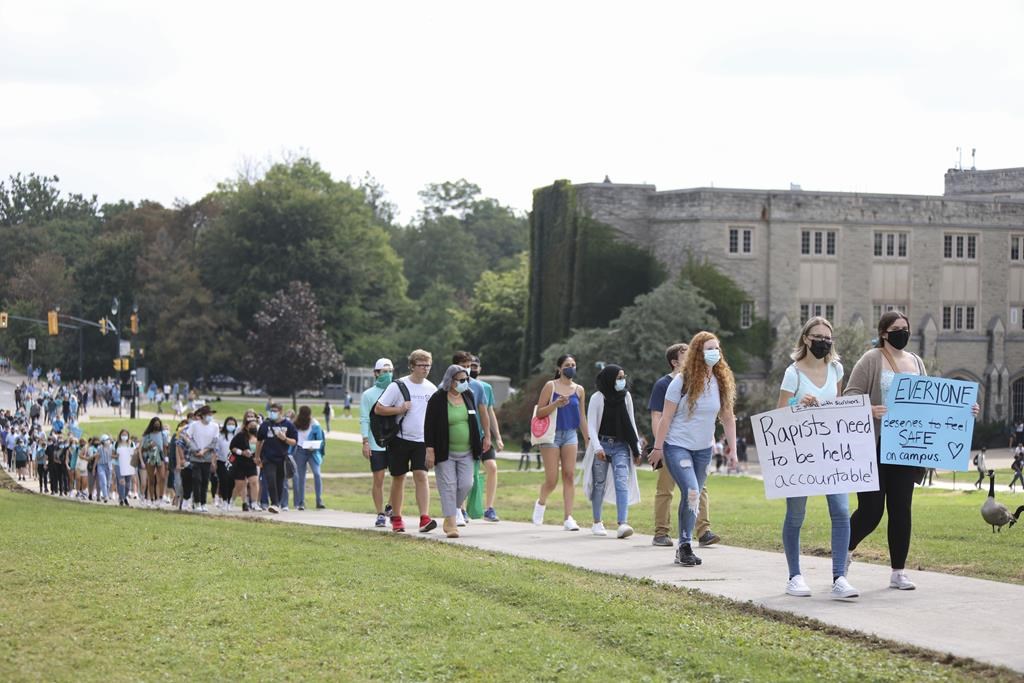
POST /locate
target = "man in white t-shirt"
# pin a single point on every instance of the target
(407, 451)
(204, 432)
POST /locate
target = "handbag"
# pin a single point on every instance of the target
(542, 429)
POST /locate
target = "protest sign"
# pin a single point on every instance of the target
(928, 422)
(816, 450)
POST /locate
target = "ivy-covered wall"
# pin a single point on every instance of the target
(582, 271)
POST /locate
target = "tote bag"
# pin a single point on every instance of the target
(542, 429)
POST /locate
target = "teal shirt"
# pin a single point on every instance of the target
(370, 397)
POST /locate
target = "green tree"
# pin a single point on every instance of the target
(493, 324)
(298, 224)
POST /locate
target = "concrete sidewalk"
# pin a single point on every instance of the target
(970, 618)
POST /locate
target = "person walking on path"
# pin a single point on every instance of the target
(123, 452)
(204, 434)
(243, 465)
(407, 452)
(489, 460)
(815, 376)
(665, 484)
(305, 454)
(615, 444)
(328, 414)
(276, 435)
(701, 394)
(152, 448)
(374, 453)
(566, 399)
(873, 375)
(451, 433)
(981, 466)
(483, 401)
(1016, 466)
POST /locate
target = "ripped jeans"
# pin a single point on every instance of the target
(690, 471)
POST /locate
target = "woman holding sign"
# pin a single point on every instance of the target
(873, 375)
(701, 394)
(815, 376)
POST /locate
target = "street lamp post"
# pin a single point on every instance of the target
(115, 308)
(131, 376)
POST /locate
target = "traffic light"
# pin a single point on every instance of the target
(3, 320)
(117, 364)
(51, 323)
(103, 326)
(134, 322)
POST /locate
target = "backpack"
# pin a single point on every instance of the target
(386, 427)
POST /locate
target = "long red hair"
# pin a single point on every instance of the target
(695, 373)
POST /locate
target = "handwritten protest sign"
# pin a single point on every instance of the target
(928, 422)
(813, 451)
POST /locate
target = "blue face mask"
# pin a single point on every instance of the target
(569, 372)
(462, 386)
(620, 385)
(712, 356)
(273, 415)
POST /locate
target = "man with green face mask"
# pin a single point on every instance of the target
(372, 451)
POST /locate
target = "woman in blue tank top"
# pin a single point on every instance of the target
(568, 398)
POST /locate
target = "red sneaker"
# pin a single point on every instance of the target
(427, 524)
(397, 525)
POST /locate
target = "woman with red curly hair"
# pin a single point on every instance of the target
(700, 395)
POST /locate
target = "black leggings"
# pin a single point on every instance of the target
(273, 473)
(41, 473)
(895, 493)
(225, 482)
(200, 480)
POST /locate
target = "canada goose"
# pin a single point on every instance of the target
(995, 513)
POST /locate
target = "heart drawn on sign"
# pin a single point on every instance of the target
(955, 449)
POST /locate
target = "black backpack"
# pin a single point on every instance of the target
(386, 427)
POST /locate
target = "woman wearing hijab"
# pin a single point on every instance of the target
(613, 443)
(451, 433)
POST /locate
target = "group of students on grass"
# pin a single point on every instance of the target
(452, 429)
(251, 461)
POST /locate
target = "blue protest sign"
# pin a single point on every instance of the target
(928, 422)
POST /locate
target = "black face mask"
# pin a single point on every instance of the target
(820, 348)
(474, 373)
(898, 338)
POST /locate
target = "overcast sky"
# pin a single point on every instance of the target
(161, 101)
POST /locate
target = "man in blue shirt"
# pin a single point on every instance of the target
(276, 435)
(666, 485)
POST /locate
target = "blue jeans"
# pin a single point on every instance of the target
(617, 456)
(689, 469)
(302, 458)
(103, 481)
(838, 510)
(124, 486)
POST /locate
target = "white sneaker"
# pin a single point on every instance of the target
(538, 513)
(272, 508)
(899, 581)
(460, 519)
(229, 508)
(625, 531)
(598, 529)
(798, 587)
(570, 524)
(202, 508)
(841, 589)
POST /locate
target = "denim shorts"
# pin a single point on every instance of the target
(563, 437)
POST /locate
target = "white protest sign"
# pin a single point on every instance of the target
(817, 450)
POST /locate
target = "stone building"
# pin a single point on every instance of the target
(954, 263)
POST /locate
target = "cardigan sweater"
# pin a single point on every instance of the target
(435, 425)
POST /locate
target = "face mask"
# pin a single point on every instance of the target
(207, 419)
(620, 385)
(383, 379)
(252, 430)
(230, 429)
(899, 338)
(820, 348)
(711, 357)
(462, 386)
(273, 415)
(474, 373)
(569, 373)
(124, 438)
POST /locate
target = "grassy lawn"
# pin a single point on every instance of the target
(949, 534)
(181, 597)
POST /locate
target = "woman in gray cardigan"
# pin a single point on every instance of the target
(873, 375)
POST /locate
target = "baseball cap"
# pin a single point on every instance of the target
(383, 363)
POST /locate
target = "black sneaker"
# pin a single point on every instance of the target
(387, 510)
(685, 556)
(662, 540)
(709, 537)
(245, 507)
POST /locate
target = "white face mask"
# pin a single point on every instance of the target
(620, 385)
(124, 438)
